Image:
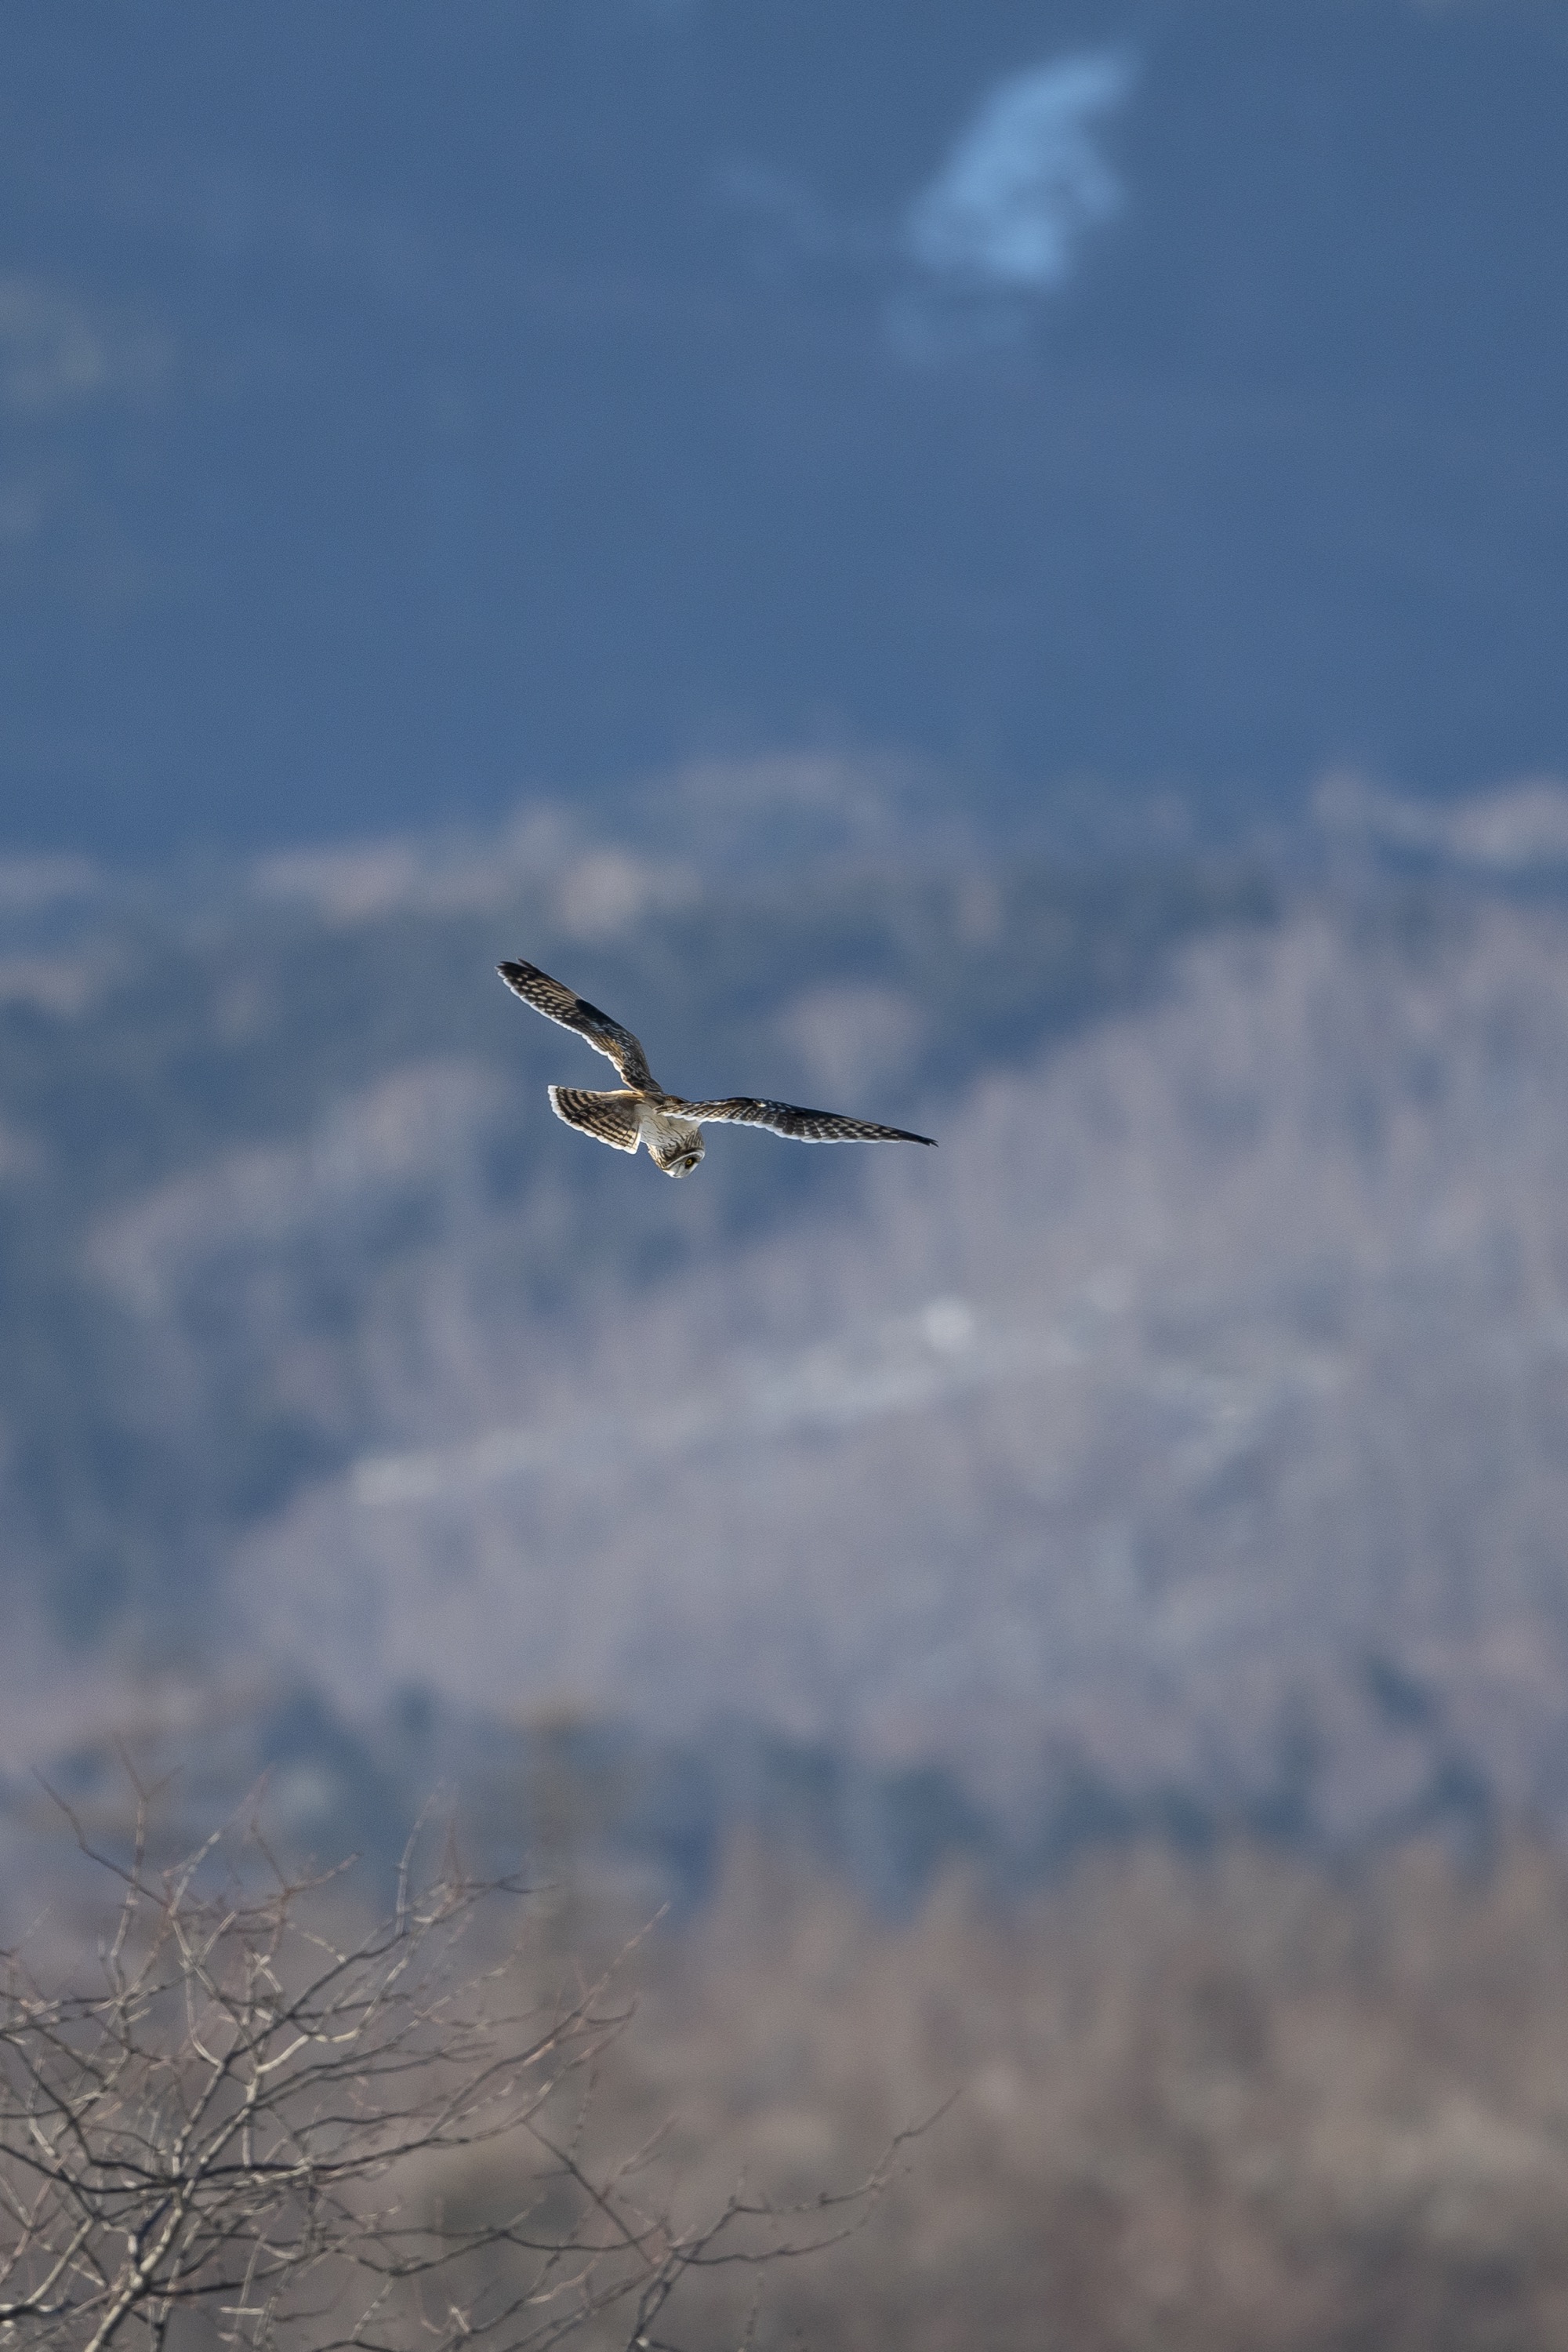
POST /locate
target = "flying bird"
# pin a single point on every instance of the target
(641, 1111)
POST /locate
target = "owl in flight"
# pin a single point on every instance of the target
(641, 1112)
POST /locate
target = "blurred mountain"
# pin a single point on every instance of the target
(1087, 399)
(279, 1088)
(1183, 1443)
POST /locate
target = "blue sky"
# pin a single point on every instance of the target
(405, 412)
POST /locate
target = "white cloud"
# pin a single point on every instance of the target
(1026, 179)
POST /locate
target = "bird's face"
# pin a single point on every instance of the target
(686, 1161)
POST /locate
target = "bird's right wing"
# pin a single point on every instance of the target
(608, 1118)
(557, 1002)
(802, 1126)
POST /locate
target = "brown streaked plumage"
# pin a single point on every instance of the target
(642, 1112)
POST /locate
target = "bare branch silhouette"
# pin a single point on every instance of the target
(255, 2114)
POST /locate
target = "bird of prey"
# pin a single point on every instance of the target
(641, 1111)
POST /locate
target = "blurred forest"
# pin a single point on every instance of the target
(1077, 1619)
(1169, 2102)
(1206, 2104)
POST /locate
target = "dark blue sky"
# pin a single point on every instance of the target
(405, 407)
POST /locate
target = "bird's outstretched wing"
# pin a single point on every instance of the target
(802, 1126)
(559, 1003)
(608, 1118)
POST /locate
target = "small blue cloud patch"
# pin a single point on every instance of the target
(1026, 180)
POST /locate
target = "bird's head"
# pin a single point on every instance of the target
(688, 1157)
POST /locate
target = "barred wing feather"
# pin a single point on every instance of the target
(608, 1118)
(802, 1126)
(557, 1003)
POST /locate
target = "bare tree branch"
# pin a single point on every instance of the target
(256, 2112)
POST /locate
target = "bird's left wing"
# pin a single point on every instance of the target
(557, 1003)
(608, 1118)
(801, 1126)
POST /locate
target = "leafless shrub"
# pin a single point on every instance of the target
(256, 2123)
